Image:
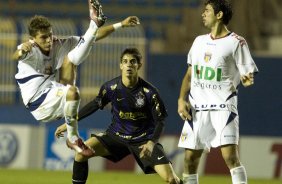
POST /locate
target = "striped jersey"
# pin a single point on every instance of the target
(217, 65)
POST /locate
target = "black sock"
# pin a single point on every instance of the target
(79, 172)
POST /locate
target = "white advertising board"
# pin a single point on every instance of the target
(20, 146)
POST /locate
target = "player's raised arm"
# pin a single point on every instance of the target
(104, 31)
(22, 50)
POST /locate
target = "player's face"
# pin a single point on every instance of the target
(129, 66)
(209, 18)
(44, 39)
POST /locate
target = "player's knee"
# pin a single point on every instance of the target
(73, 93)
(232, 161)
(191, 159)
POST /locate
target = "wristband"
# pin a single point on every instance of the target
(117, 25)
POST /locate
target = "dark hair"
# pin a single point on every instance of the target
(224, 6)
(38, 23)
(132, 51)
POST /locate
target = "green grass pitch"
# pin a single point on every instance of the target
(9, 176)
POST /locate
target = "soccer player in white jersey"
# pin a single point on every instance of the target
(49, 97)
(217, 62)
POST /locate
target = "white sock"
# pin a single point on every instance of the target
(82, 49)
(239, 175)
(190, 178)
(70, 111)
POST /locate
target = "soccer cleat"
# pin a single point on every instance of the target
(80, 147)
(96, 12)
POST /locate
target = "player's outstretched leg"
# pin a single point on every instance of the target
(96, 12)
(81, 51)
(70, 112)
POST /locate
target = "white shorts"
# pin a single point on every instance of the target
(210, 129)
(52, 107)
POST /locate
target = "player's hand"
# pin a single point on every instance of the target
(26, 47)
(22, 51)
(60, 130)
(146, 149)
(247, 80)
(184, 109)
(130, 21)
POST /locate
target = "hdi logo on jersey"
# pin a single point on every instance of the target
(207, 73)
(207, 57)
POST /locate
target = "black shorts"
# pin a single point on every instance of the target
(119, 149)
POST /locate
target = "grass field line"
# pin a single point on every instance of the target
(12, 176)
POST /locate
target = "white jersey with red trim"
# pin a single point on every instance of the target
(217, 65)
(36, 71)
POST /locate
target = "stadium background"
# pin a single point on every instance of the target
(167, 31)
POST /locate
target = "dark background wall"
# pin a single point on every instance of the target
(260, 106)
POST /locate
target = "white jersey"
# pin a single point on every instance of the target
(217, 65)
(36, 71)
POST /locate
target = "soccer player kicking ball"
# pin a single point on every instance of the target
(138, 115)
(217, 62)
(45, 56)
